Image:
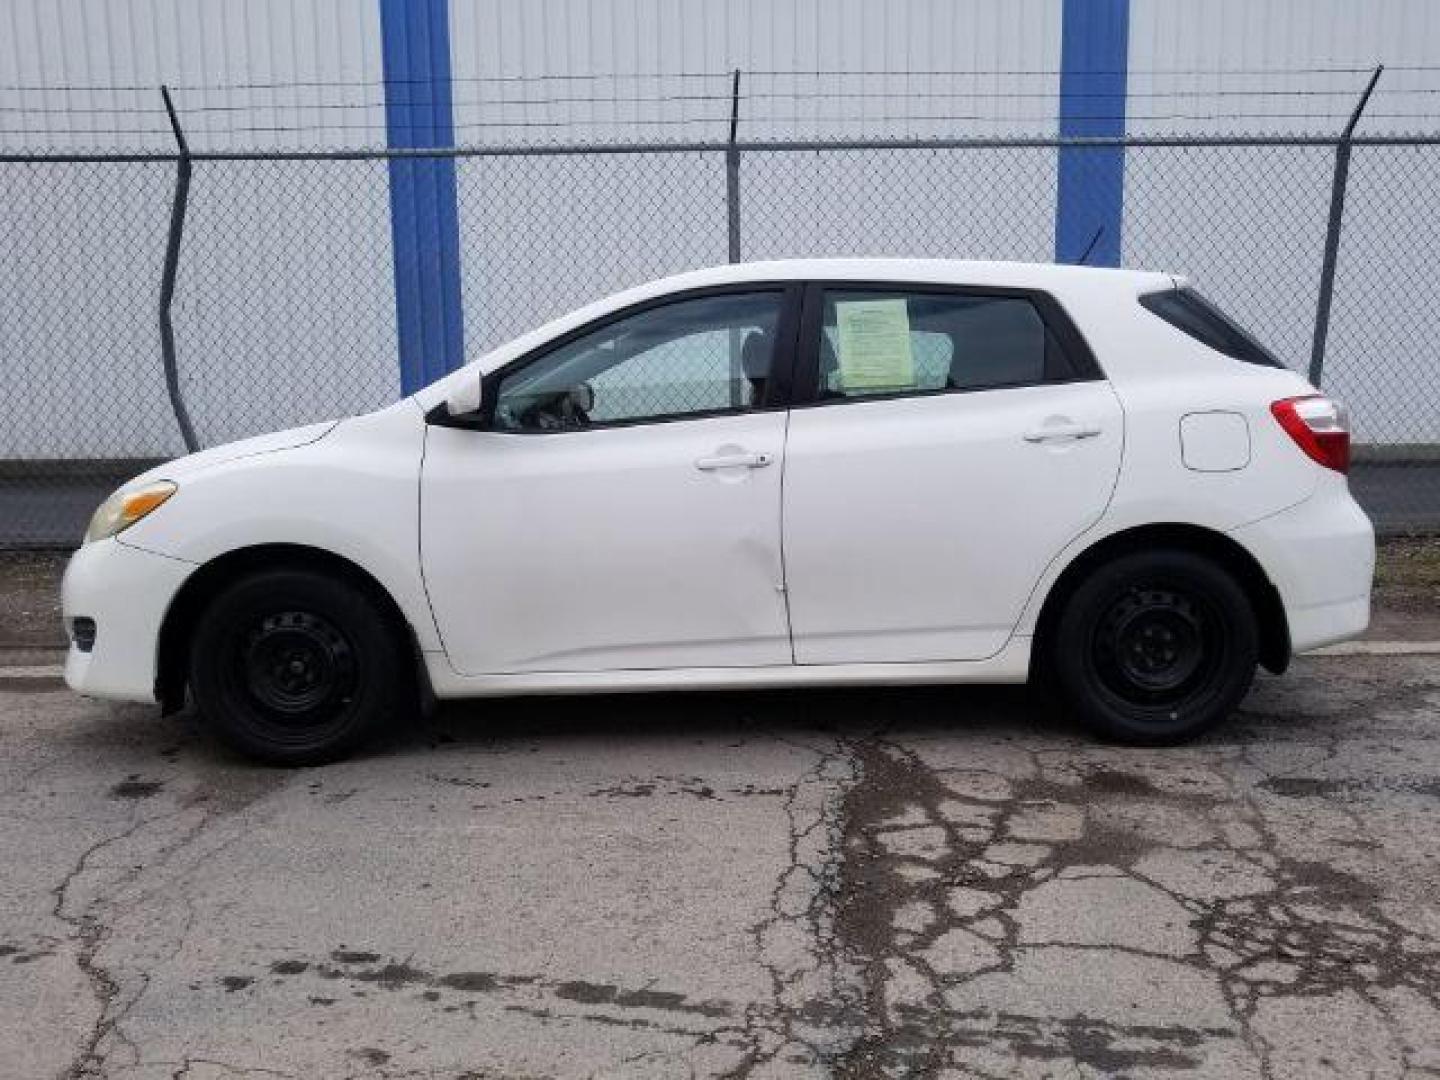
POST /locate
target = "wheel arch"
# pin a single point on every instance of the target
(205, 583)
(1227, 552)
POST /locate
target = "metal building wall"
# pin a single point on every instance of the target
(303, 286)
(244, 73)
(660, 70)
(333, 48)
(83, 75)
(1296, 67)
(665, 64)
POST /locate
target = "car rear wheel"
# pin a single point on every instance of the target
(297, 668)
(1155, 647)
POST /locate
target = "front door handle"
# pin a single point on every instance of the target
(1061, 432)
(734, 461)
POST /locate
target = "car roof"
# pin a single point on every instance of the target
(1019, 275)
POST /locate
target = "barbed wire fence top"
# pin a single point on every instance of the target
(687, 106)
(141, 319)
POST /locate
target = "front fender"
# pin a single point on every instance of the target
(354, 493)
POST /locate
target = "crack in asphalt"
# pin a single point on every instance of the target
(183, 1067)
(812, 996)
(90, 933)
(1302, 929)
(90, 919)
(812, 1004)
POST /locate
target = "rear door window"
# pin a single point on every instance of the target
(883, 343)
(1193, 315)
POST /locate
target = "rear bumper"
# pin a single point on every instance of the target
(1320, 555)
(127, 591)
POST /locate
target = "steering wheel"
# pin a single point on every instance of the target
(577, 403)
(561, 411)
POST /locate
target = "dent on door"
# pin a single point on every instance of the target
(608, 549)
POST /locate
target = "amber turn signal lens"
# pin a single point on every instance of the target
(127, 506)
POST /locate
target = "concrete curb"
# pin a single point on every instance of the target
(1378, 648)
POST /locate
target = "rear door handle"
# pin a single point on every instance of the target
(734, 461)
(1060, 432)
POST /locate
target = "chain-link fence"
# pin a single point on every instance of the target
(283, 308)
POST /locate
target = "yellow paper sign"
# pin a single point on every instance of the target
(874, 345)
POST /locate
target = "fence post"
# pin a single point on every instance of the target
(167, 277)
(732, 172)
(1332, 232)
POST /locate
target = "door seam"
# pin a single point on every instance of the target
(784, 572)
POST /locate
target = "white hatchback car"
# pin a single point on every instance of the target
(793, 473)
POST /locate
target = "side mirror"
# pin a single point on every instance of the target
(461, 407)
(467, 397)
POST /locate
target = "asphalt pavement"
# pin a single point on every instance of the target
(918, 883)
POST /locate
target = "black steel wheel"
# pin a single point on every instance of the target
(1155, 647)
(294, 667)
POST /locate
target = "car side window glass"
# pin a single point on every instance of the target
(885, 343)
(703, 355)
(1194, 315)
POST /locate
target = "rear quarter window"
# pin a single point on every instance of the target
(1193, 315)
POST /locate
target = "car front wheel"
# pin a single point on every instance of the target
(1155, 647)
(297, 668)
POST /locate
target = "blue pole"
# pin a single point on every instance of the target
(424, 216)
(1090, 199)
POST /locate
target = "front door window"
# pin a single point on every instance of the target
(706, 355)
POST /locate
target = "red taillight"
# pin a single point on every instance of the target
(1319, 426)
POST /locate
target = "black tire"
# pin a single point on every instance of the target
(294, 667)
(1155, 648)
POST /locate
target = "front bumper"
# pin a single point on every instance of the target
(1320, 555)
(127, 591)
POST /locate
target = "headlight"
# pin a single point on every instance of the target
(127, 506)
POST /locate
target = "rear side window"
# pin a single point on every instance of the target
(885, 343)
(1190, 313)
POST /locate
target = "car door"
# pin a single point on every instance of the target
(946, 444)
(620, 507)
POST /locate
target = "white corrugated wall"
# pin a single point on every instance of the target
(242, 72)
(263, 344)
(1299, 66)
(297, 293)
